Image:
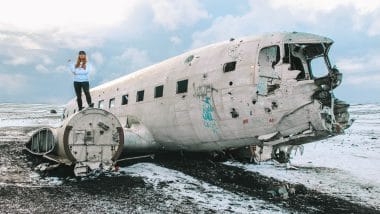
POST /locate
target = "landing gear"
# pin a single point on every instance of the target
(257, 154)
(252, 154)
(281, 153)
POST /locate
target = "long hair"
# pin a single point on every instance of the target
(79, 64)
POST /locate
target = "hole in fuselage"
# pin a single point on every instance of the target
(234, 113)
(274, 105)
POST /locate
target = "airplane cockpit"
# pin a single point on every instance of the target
(313, 62)
(311, 59)
(304, 59)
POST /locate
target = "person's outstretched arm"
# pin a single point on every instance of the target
(71, 66)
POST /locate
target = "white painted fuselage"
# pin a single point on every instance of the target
(227, 95)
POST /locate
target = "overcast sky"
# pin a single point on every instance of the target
(38, 37)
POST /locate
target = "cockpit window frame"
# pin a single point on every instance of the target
(296, 51)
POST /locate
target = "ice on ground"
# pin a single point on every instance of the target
(347, 166)
(182, 188)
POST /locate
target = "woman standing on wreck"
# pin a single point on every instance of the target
(81, 70)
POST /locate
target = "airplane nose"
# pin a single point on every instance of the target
(342, 117)
(335, 111)
(332, 80)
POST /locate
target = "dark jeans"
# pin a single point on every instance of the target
(78, 86)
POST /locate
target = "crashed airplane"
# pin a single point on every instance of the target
(273, 91)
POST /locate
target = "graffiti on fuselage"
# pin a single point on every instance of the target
(208, 119)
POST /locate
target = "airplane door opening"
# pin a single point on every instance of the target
(269, 57)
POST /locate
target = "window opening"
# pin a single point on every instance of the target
(189, 59)
(229, 66)
(182, 86)
(269, 56)
(124, 99)
(140, 96)
(159, 91)
(101, 104)
(112, 103)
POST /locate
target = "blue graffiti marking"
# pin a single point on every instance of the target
(208, 119)
(262, 86)
(207, 110)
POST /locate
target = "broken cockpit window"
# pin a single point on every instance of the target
(295, 57)
(310, 59)
(317, 60)
(318, 67)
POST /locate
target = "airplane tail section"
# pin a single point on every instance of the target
(91, 139)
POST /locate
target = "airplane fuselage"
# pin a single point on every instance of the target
(255, 90)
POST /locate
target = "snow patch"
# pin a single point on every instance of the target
(183, 188)
(346, 166)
